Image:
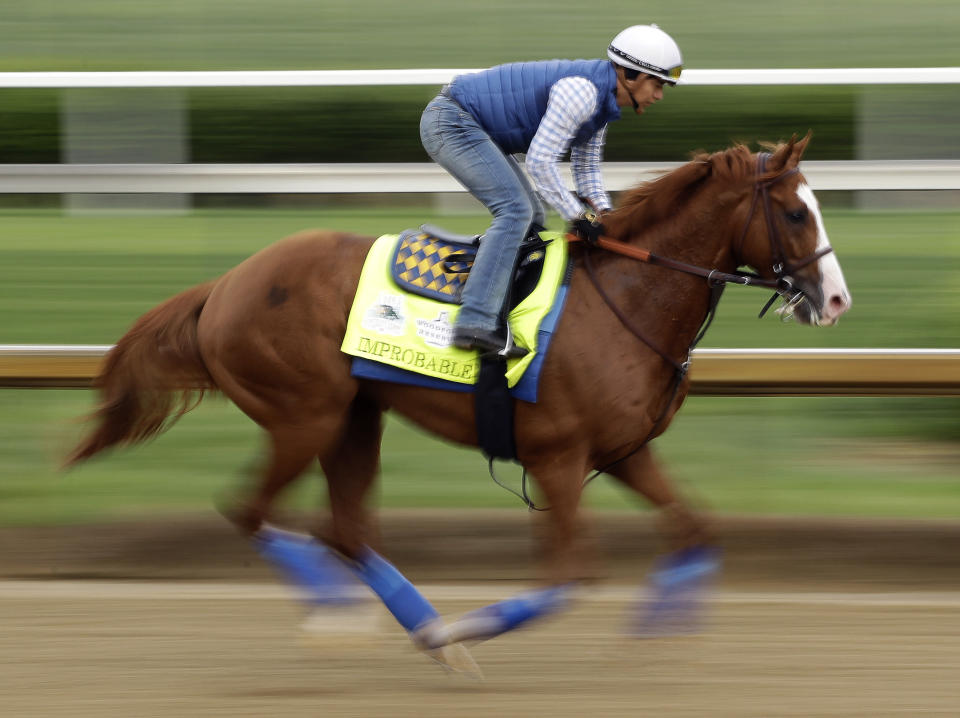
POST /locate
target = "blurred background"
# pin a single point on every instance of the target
(79, 268)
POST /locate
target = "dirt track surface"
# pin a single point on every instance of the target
(810, 619)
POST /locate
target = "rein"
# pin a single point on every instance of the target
(716, 280)
(712, 275)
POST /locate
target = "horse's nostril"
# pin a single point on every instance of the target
(838, 304)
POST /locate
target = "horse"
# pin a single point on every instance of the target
(267, 335)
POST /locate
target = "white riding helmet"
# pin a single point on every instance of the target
(648, 49)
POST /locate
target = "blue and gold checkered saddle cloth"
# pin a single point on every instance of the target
(434, 263)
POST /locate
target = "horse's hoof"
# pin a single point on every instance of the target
(678, 592)
(669, 617)
(455, 658)
(431, 635)
(434, 641)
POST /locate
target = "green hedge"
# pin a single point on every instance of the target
(365, 124)
(29, 126)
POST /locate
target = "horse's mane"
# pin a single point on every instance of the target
(652, 202)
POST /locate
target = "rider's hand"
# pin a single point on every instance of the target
(588, 227)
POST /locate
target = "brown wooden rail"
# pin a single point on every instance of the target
(714, 372)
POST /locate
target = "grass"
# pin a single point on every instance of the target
(766, 456)
(83, 279)
(291, 34)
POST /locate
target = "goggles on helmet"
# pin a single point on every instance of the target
(671, 75)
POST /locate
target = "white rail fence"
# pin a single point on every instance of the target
(406, 177)
(344, 78)
(412, 177)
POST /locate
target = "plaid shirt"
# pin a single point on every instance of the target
(572, 101)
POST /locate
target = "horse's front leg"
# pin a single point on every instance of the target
(678, 580)
(681, 526)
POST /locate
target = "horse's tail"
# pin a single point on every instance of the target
(152, 377)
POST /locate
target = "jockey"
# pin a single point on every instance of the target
(478, 121)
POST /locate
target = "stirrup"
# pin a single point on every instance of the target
(488, 343)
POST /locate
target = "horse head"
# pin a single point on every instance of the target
(759, 207)
(782, 236)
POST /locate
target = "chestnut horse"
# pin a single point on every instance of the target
(267, 334)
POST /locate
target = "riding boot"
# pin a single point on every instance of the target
(497, 342)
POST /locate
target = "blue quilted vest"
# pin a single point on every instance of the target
(510, 100)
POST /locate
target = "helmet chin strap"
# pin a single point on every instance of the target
(636, 105)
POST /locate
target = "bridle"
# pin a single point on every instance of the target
(782, 282)
(782, 267)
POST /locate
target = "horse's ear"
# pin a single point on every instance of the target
(788, 156)
(801, 146)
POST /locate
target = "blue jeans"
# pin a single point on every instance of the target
(455, 141)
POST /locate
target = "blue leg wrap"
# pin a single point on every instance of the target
(308, 564)
(677, 587)
(689, 568)
(506, 615)
(401, 597)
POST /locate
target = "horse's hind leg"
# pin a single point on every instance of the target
(349, 453)
(319, 574)
(348, 449)
(351, 468)
(678, 580)
(291, 450)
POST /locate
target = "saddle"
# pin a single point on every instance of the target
(435, 263)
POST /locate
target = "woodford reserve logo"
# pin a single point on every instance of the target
(436, 332)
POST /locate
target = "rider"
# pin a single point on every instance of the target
(543, 109)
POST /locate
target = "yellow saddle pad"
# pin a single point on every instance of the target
(411, 332)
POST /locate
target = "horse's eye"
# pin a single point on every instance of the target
(797, 217)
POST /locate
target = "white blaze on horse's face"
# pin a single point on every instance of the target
(833, 288)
